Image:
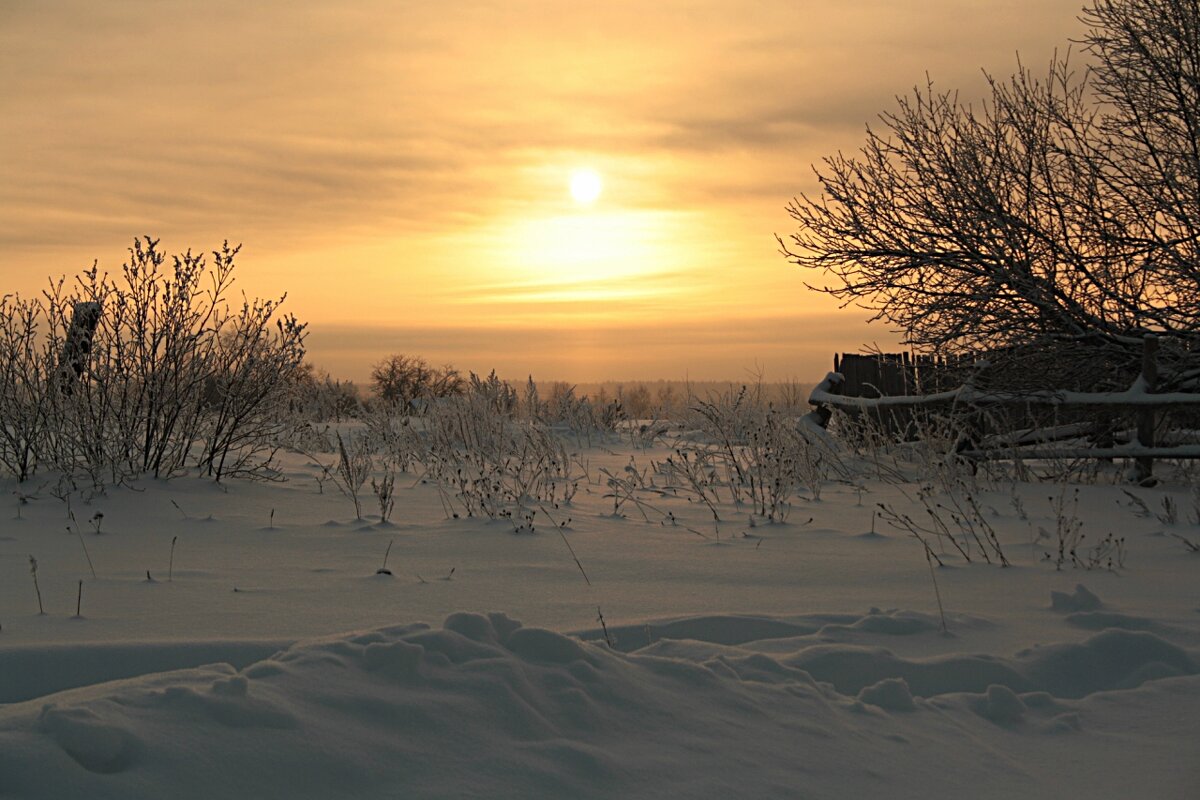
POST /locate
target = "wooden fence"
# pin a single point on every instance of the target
(890, 374)
(895, 388)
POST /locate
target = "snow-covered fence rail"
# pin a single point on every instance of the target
(1139, 399)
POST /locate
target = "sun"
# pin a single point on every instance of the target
(586, 185)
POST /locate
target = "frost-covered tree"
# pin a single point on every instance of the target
(1147, 76)
(1065, 204)
(399, 379)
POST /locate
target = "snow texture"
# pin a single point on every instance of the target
(768, 660)
(483, 706)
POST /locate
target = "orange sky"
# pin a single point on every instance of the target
(401, 169)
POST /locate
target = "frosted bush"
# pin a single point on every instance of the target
(161, 375)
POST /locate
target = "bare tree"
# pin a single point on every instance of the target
(400, 379)
(1062, 205)
(1147, 75)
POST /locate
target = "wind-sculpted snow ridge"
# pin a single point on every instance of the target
(1120, 656)
(487, 707)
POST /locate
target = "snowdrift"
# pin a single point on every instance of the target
(714, 706)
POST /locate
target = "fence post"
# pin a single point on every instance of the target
(77, 346)
(1144, 472)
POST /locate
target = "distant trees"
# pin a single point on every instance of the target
(400, 379)
(1067, 204)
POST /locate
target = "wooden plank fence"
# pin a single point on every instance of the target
(889, 374)
(894, 387)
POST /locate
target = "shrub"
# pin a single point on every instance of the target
(160, 376)
(400, 379)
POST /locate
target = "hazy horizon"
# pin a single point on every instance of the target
(700, 352)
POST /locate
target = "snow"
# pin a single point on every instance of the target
(1136, 396)
(268, 658)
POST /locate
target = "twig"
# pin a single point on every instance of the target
(33, 571)
(384, 570)
(937, 592)
(83, 545)
(572, 549)
(603, 627)
(1195, 548)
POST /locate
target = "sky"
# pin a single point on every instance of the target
(401, 169)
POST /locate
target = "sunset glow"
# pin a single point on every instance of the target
(572, 250)
(574, 170)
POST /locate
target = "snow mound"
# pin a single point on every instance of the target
(1118, 657)
(484, 706)
(773, 633)
(890, 693)
(1080, 600)
(1000, 704)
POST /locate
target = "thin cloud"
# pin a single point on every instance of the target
(300, 117)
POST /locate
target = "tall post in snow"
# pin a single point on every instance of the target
(78, 346)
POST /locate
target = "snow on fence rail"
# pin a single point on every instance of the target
(828, 396)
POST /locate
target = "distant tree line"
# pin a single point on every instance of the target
(404, 381)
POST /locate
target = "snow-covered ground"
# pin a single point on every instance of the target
(267, 657)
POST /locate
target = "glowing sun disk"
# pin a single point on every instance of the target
(586, 185)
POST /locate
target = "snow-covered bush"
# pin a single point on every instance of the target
(490, 463)
(164, 375)
(582, 417)
(319, 397)
(27, 368)
(751, 454)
